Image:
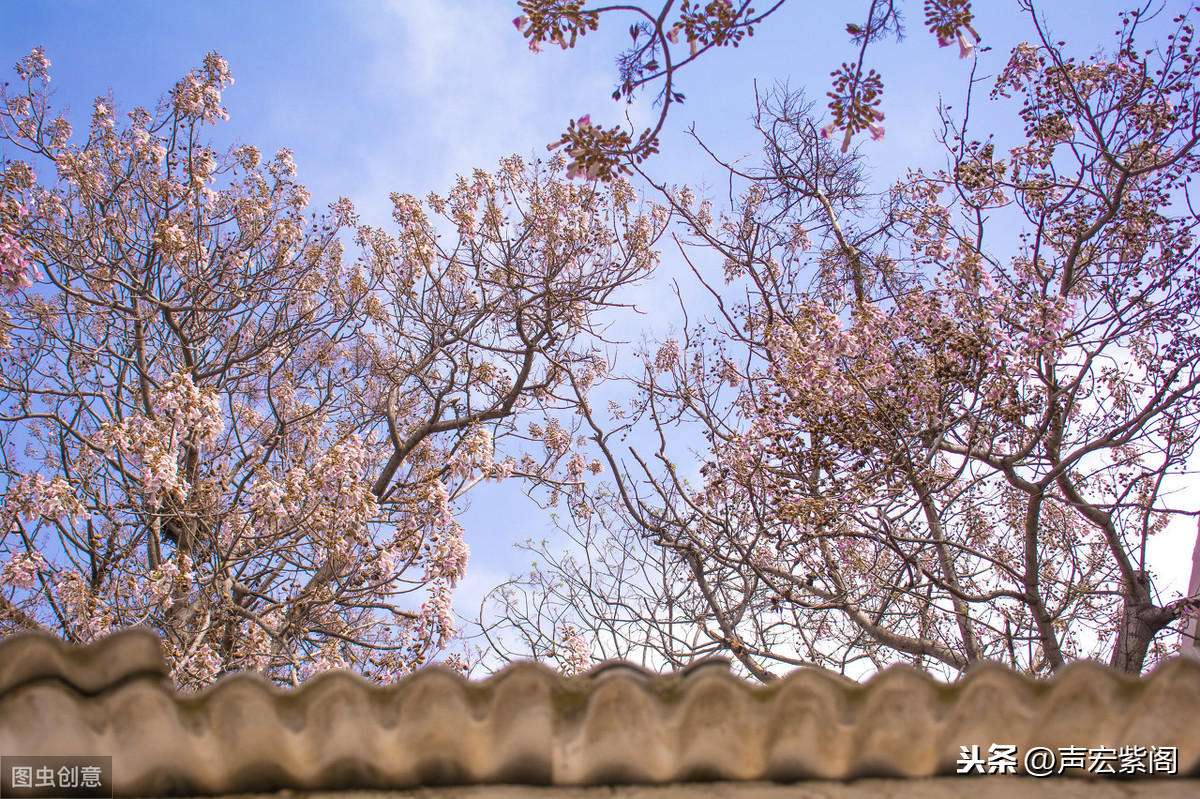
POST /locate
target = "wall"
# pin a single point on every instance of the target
(617, 724)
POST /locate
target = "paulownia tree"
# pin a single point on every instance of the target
(214, 426)
(942, 432)
(667, 36)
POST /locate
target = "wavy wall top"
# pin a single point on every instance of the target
(529, 725)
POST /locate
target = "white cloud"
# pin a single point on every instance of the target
(462, 91)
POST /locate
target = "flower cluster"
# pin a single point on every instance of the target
(163, 583)
(715, 23)
(589, 147)
(811, 355)
(189, 408)
(448, 558)
(91, 613)
(559, 22)
(854, 103)
(16, 271)
(198, 96)
(436, 618)
(34, 66)
(22, 569)
(186, 415)
(32, 497)
(667, 356)
(950, 21)
(438, 497)
(575, 655)
(149, 149)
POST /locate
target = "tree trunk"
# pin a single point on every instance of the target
(1190, 646)
(1141, 620)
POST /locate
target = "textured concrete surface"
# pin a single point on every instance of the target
(617, 724)
(935, 788)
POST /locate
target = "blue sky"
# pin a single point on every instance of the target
(375, 96)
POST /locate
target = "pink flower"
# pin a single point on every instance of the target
(574, 171)
(23, 570)
(585, 121)
(964, 47)
(875, 128)
(576, 655)
(673, 35)
(668, 355)
(827, 131)
(16, 272)
(519, 22)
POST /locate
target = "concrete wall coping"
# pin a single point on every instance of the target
(617, 724)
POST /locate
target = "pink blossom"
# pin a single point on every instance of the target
(16, 271)
(556, 439)
(438, 495)
(34, 65)
(576, 170)
(72, 592)
(449, 559)
(576, 654)
(502, 471)
(23, 569)
(162, 581)
(388, 560)
(667, 356)
(201, 99)
(34, 498)
(874, 126)
(437, 612)
(964, 47)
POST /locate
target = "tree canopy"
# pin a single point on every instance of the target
(935, 424)
(938, 425)
(215, 426)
